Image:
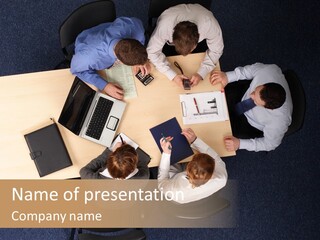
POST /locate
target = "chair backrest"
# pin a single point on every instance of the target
(298, 101)
(124, 234)
(156, 7)
(84, 17)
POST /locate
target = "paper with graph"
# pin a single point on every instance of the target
(203, 107)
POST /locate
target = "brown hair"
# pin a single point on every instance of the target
(185, 37)
(131, 52)
(200, 169)
(122, 161)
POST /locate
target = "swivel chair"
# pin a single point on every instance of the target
(84, 17)
(107, 234)
(298, 101)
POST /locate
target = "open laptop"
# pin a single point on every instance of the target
(91, 115)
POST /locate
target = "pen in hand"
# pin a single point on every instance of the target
(165, 139)
(121, 139)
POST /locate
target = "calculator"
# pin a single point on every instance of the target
(144, 79)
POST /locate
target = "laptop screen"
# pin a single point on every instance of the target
(76, 106)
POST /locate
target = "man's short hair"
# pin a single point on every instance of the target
(122, 161)
(131, 52)
(185, 37)
(273, 94)
(200, 169)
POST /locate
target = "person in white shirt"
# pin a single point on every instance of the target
(184, 26)
(204, 175)
(262, 127)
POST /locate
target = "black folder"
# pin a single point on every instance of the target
(48, 150)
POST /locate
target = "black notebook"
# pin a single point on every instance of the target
(48, 150)
(180, 147)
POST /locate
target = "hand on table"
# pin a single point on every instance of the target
(195, 79)
(219, 77)
(114, 90)
(189, 134)
(145, 69)
(178, 79)
(232, 143)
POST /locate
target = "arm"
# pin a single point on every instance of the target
(213, 35)
(272, 138)
(81, 67)
(92, 169)
(154, 49)
(244, 73)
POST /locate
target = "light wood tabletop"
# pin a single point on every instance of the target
(29, 100)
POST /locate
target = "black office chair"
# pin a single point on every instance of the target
(298, 101)
(84, 17)
(114, 234)
(156, 7)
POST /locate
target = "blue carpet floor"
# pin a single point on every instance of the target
(278, 192)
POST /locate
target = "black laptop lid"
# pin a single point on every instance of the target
(76, 106)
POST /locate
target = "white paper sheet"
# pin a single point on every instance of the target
(122, 74)
(203, 107)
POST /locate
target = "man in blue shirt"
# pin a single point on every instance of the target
(100, 47)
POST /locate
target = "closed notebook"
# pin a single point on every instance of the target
(48, 150)
(180, 147)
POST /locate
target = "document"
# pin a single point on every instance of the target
(122, 74)
(126, 139)
(203, 107)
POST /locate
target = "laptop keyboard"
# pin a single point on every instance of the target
(99, 118)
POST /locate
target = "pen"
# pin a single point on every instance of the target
(165, 139)
(121, 139)
(195, 103)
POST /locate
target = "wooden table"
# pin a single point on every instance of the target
(28, 100)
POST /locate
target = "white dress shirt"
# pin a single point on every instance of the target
(274, 123)
(171, 179)
(208, 28)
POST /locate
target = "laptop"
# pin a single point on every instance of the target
(91, 115)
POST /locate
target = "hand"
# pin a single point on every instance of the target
(195, 79)
(178, 79)
(114, 90)
(231, 143)
(218, 77)
(145, 69)
(166, 145)
(117, 145)
(189, 134)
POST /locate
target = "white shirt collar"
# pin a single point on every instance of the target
(107, 174)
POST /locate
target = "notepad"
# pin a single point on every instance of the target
(48, 150)
(180, 147)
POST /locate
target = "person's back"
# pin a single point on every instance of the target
(122, 163)
(204, 175)
(100, 47)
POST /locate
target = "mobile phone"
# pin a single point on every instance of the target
(144, 79)
(186, 84)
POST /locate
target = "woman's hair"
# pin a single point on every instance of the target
(131, 52)
(185, 37)
(200, 169)
(122, 161)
